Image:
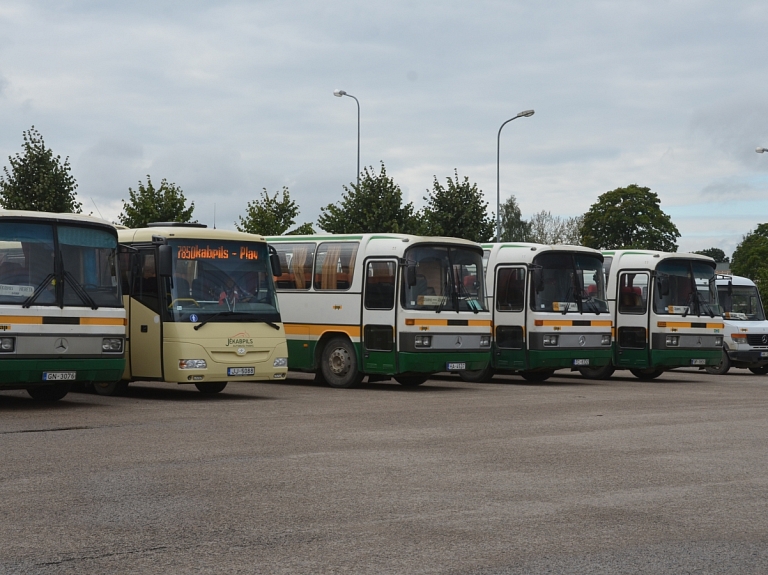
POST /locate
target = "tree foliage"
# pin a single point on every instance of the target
(375, 205)
(629, 217)
(272, 216)
(458, 210)
(149, 204)
(751, 258)
(38, 180)
(513, 227)
(715, 253)
(544, 228)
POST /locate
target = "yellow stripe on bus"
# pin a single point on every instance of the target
(470, 322)
(102, 321)
(38, 320)
(320, 329)
(684, 324)
(569, 322)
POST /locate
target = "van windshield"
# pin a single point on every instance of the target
(740, 303)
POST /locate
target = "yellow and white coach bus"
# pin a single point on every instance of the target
(665, 310)
(202, 308)
(549, 310)
(61, 316)
(382, 305)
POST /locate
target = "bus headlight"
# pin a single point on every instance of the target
(718, 341)
(672, 340)
(550, 339)
(605, 339)
(112, 344)
(485, 341)
(280, 362)
(7, 344)
(192, 364)
(423, 341)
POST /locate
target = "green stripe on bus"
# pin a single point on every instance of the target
(15, 371)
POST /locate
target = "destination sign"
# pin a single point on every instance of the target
(216, 253)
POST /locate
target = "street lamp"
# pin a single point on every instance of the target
(339, 94)
(761, 150)
(524, 114)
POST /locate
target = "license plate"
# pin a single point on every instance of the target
(581, 362)
(764, 354)
(236, 371)
(59, 375)
(455, 366)
(698, 362)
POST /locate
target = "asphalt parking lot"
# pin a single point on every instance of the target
(566, 476)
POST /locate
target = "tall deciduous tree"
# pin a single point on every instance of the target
(513, 227)
(715, 253)
(751, 258)
(544, 228)
(272, 216)
(38, 180)
(372, 206)
(629, 217)
(149, 204)
(458, 210)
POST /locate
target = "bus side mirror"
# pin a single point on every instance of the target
(165, 261)
(662, 285)
(410, 276)
(730, 287)
(538, 280)
(274, 261)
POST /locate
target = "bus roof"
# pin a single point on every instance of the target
(80, 218)
(393, 241)
(723, 279)
(142, 235)
(649, 259)
(526, 251)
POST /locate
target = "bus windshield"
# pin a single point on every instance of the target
(740, 303)
(448, 278)
(211, 277)
(568, 282)
(686, 287)
(55, 264)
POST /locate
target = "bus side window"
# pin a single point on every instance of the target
(633, 293)
(380, 285)
(145, 281)
(125, 260)
(335, 265)
(510, 289)
(296, 265)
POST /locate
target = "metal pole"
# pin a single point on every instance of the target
(339, 94)
(526, 114)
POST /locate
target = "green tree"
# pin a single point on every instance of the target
(513, 227)
(272, 216)
(544, 228)
(629, 217)
(38, 180)
(458, 210)
(716, 254)
(751, 258)
(149, 204)
(375, 205)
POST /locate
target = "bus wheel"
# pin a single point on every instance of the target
(110, 387)
(646, 374)
(721, 368)
(211, 387)
(537, 375)
(411, 380)
(339, 364)
(478, 376)
(49, 393)
(597, 372)
(762, 370)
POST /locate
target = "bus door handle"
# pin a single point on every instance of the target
(144, 329)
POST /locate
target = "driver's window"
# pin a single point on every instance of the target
(145, 287)
(510, 289)
(633, 293)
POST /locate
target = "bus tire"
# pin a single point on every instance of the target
(648, 373)
(597, 372)
(211, 387)
(542, 375)
(721, 368)
(411, 380)
(338, 364)
(110, 387)
(762, 370)
(50, 393)
(478, 375)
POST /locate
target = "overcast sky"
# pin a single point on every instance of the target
(227, 98)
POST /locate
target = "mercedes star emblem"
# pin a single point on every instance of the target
(582, 340)
(61, 345)
(240, 351)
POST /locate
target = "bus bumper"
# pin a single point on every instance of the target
(566, 358)
(30, 371)
(685, 357)
(409, 362)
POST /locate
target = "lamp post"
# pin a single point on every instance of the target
(761, 150)
(524, 114)
(339, 94)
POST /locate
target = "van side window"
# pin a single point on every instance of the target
(633, 293)
(335, 265)
(296, 265)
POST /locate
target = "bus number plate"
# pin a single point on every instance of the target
(582, 362)
(235, 371)
(698, 362)
(455, 366)
(764, 354)
(59, 375)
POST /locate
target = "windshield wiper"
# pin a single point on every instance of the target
(38, 290)
(568, 299)
(79, 290)
(240, 313)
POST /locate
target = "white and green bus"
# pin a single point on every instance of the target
(62, 319)
(549, 310)
(665, 311)
(382, 306)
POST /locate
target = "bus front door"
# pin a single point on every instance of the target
(144, 322)
(378, 342)
(632, 338)
(509, 318)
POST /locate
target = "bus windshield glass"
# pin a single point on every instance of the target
(31, 270)
(448, 278)
(211, 277)
(686, 287)
(740, 303)
(567, 282)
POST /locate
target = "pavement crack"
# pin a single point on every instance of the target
(47, 429)
(100, 556)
